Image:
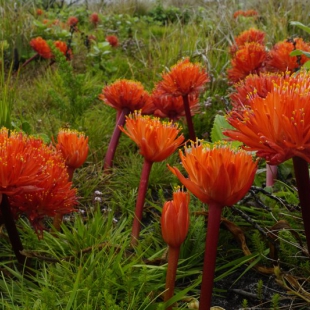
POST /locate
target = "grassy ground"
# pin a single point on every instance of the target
(89, 264)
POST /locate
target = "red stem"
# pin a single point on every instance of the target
(173, 257)
(303, 186)
(214, 221)
(114, 139)
(11, 229)
(29, 60)
(136, 227)
(189, 119)
(271, 174)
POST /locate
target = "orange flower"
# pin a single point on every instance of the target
(217, 175)
(55, 195)
(172, 107)
(41, 47)
(156, 140)
(94, 18)
(280, 59)
(62, 46)
(249, 59)
(248, 13)
(39, 12)
(22, 162)
(277, 127)
(251, 35)
(125, 94)
(74, 147)
(175, 219)
(113, 40)
(255, 85)
(72, 21)
(185, 78)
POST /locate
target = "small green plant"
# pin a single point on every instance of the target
(275, 302)
(245, 304)
(260, 293)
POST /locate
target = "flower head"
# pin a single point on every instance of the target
(125, 94)
(94, 18)
(184, 78)
(249, 59)
(280, 59)
(216, 174)
(172, 107)
(55, 194)
(248, 13)
(63, 48)
(72, 21)
(39, 12)
(74, 147)
(156, 140)
(175, 219)
(113, 40)
(278, 126)
(21, 162)
(247, 36)
(41, 47)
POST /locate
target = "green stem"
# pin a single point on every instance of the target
(136, 227)
(214, 221)
(173, 257)
(114, 139)
(303, 186)
(189, 119)
(11, 229)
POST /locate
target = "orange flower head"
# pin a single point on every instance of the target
(248, 13)
(125, 94)
(172, 107)
(74, 147)
(278, 126)
(62, 46)
(280, 59)
(249, 59)
(39, 12)
(185, 78)
(94, 19)
(54, 196)
(216, 174)
(255, 85)
(175, 219)
(72, 21)
(21, 162)
(251, 35)
(156, 140)
(113, 40)
(41, 47)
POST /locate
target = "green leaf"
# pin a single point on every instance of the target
(220, 124)
(301, 26)
(306, 65)
(300, 52)
(103, 45)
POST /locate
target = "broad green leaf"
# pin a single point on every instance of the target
(301, 26)
(300, 52)
(306, 65)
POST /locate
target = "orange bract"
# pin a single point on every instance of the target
(72, 21)
(156, 140)
(41, 47)
(248, 13)
(175, 219)
(278, 126)
(172, 107)
(94, 18)
(249, 59)
(218, 174)
(280, 59)
(125, 94)
(184, 78)
(74, 147)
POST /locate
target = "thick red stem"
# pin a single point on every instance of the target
(303, 186)
(114, 139)
(136, 227)
(11, 229)
(214, 221)
(29, 60)
(173, 257)
(271, 174)
(189, 119)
